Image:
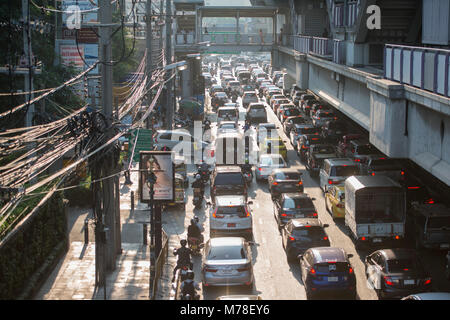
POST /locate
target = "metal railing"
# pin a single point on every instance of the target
(159, 264)
(238, 38)
(339, 51)
(421, 67)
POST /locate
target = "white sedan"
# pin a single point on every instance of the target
(267, 163)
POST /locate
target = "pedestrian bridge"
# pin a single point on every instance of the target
(191, 34)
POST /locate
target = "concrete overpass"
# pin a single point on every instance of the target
(398, 92)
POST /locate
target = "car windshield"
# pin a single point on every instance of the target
(226, 253)
(331, 267)
(283, 101)
(272, 161)
(221, 95)
(250, 95)
(311, 232)
(298, 203)
(226, 113)
(386, 164)
(229, 178)
(307, 130)
(232, 210)
(257, 107)
(402, 265)
(292, 112)
(324, 150)
(366, 149)
(344, 171)
(288, 176)
(228, 126)
(439, 222)
(297, 120)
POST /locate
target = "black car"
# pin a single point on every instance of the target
(298, 235)
(307, 105)
(219, 100)
(290, 123)
(305, 141)
(283, 181)
(334, 130)
(327, 270)
(228, 180)
(315, 156)
(292, 206)
(396, 273)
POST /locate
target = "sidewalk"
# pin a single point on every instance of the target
(74, 276)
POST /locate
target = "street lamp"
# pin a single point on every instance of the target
(181, 65)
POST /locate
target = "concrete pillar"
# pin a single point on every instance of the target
(387, 117)
(302, 71)
(186, 81)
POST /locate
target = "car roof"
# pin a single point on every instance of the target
(300, 222)
(226, 241)
(431, 296)
(295, 195)
(271, 155)
(226, 108)
(222, 169)
(398, 253)
(287, 170)
(227, 122)
(341, 161)
(230, 200)
(328, 254)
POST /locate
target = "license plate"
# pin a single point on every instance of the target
(377, 240)
(445, 246)
(333, 279)
(409, 282)
(299, 216)
(231, 224)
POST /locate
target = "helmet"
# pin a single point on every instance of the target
(183, 242)
(196, 219)
(197, 176)
(192, 221)
(190, 275)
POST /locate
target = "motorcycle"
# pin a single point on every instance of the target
(248, 173)
(195, 245)
(207, 124)
(184, 272)
(198, 198)
(204, 172)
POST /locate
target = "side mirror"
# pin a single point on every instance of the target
(326, 225)
(300, 256)
(250, 202)
(350, 255)
(252, 243)
(313, 199)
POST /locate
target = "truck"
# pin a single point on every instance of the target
(375, 210)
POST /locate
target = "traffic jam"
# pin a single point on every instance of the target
(293, 202)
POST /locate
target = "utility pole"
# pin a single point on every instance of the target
(169, 84)
(28, 55)
(108, 167)
(149, 61)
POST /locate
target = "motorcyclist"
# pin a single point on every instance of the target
(190, 287)
(184, 257)
(194, 231)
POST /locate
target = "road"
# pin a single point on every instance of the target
(275, 277)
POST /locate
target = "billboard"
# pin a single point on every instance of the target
(163, 169)
(88, 10)
(70, 54)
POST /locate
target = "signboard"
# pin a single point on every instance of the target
(70, 54)
(144, 142)
(85, 35)
(163, 169)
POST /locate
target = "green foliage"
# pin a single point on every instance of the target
(26, 251)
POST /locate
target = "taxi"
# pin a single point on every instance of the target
(335, 201)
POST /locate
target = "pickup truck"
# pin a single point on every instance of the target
(375, 210)
(377, 165)
(316, 155)
(429, 225)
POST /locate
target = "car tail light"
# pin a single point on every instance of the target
(330, 181)
(397, 237)
(260, 169)
(291, 238)
(210, 270)
(211, 153)
(247, 213)
(325, 238)
(275, 183)
(402, 173)
(350, 270)
(363, 238)
(357, 160)
(300, 183)
(413, 188)
(429, 201)
(388, 281)
(314, 214)
(427, 281)
(312, 271)
(215, 215)
(244, 268)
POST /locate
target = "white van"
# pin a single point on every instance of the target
(336, 171)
